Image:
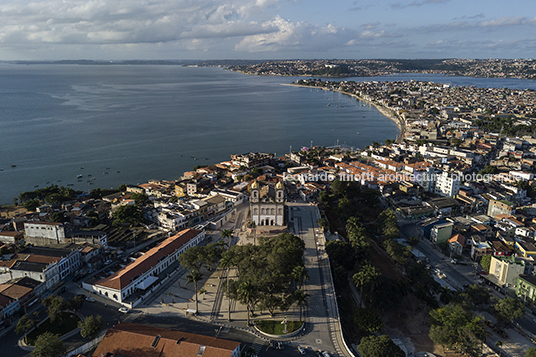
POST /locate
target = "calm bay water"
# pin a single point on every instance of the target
(129, 124)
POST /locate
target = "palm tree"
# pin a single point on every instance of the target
(245, 296)
(499, 344)
(227, 263)
(366, 277)
(194, 277)
(300, 298)
(227, 234)
(299, 275)
(254, 226)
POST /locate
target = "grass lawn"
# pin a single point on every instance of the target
(276, 327)
(69, 322)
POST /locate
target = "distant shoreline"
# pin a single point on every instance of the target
(388, 113)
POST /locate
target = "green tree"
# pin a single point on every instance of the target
(365, 279)
(499, 345)
(140, 198)
(26, 323)
(194, 277)
(531, 352)
(55, 305)
(58, 217)
(192, 258)
(453, 325)
(455, 142)
(127, 215)
(507, 310)
(485, 261)
(389, 227)
(300, 298)
(478, 295)
(367, 320)
(340, 254)
(226, 263)
(91, 326)
(413, 241)
(324, 223)
(227, 235)
(246, 295)
(75, 303)
(299, 275)
(379, 346)
(397, 251)
(48, 345)
(32, 205)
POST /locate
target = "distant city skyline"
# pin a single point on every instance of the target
(265, 29)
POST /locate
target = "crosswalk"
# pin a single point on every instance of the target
(257, 345)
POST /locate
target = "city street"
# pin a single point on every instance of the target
(456, 275)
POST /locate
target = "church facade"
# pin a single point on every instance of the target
(267, 204)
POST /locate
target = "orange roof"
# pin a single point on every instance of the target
(133, 340)
(457, 238)
(14, 291)
(124, 277)
(34, 258)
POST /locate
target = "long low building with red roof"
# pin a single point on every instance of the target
(128, 285)
(134, 340)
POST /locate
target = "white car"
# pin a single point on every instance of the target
(90, 299)
(123, 309)
(301, 350)
(325, 354)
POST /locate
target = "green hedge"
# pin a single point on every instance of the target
(69, 322)
(275, 327)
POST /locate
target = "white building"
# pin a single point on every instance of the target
(267, 204)
(128, 285)
(231, 196)
(447, 184)
(49, 265)
(44, 232)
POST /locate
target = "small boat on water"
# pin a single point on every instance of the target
(13, 165)
(79, 176)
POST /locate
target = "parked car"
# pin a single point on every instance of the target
(301, 350)
(62, 290)
(90, 299)
(124, 310)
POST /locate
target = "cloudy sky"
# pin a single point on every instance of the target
(266, 29)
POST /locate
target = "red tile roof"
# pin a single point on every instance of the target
(134, 340)
(124, 277)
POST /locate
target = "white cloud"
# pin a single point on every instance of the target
(418, 3)
(290, 36)
(126, 21)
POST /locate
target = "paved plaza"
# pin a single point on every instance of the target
(178, 297)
